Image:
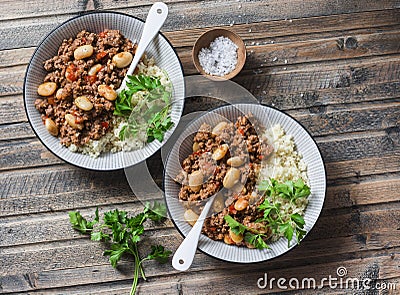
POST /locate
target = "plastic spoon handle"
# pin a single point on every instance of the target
(155, 19)
(184, 255)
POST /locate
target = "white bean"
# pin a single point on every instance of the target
(196, 147)
(241, 204)
(219, 127)
(51, 127)
(83, 51)
(47, 88)
(235, 161)
(235, 238)
(94, 70)
(83, 103)
(107, 92)
(220, 152)
(190, 216)
(71, 120)
(218, 204)
(122, 59)
(196, 180)
(231, 178)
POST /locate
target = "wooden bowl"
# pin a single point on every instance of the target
(204, 42)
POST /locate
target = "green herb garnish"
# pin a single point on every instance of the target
(123, 234)
(149, 115)
(279, 222)
(250, 235)
(283, 224)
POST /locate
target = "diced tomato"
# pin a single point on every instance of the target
(260, 157)
(83, 39)
(100, 55)
(104, 125)
(91, 79)
(232, 209)
(70, 73)
(213, 228)
(78, 120)
(50, 100)
(102, 34)
(241, 131)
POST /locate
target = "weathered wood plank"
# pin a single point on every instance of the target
(12, 109)
(313, 28)
(90, 272)
(54, 226)
(83, 193)
(27, 9)
(319, 121)
(31, 153)
(198, 14)
(363, 167)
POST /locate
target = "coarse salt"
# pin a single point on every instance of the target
(220, 58)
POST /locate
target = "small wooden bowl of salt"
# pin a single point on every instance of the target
(219, 54)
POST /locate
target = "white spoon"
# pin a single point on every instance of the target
(184, 255)
(154, 21)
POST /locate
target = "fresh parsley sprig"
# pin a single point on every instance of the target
(123, 233)
(251, 236)
(284, 224)
(157, 116)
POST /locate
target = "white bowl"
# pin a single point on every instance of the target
(160, 48)
(268, 117)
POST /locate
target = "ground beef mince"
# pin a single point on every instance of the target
(226, 161)
(82, 65)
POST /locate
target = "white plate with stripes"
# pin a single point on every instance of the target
(131, 27)
(268, 117)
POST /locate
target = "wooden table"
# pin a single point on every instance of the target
(333, 65)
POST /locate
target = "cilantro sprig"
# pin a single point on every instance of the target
(151, 114)
(123, 234)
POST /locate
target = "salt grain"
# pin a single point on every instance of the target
(220, 58)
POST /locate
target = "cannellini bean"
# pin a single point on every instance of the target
(228, 240)
(71, 120)
(122, 59)
(220, 152)
(196, 180)
(218, 204)
(59, 94)
(83, 51)
(47, 88)
(51, 127)
(241, 204)
(231, 178)
(83, 103)
(237, 188)
(94, 70)
(235, 238)
(190, 216)
(235, 161)
(196, 147)
(107, 92)
(219, 127)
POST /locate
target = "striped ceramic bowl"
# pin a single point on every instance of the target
(268, 117)
(131, 27)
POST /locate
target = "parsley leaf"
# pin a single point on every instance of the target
(256, 240)
(123, 234)
(159, 253)
(280, 222)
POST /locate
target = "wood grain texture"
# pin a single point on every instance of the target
(197, 14)
(334, 66)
